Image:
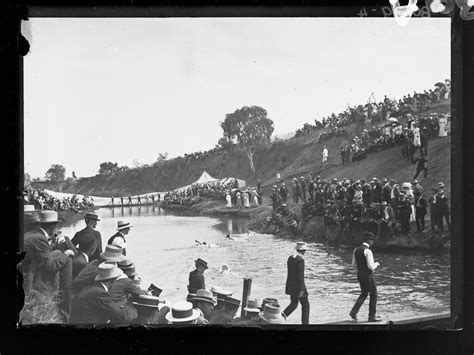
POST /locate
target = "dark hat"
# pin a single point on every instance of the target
(92, 216)
(155, 290)
(202, 262)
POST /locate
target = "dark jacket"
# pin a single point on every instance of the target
(196, 281)
(85, 278)
(88, 241)
(39, 260)
(219, 317)
(94, 305)
(122, 289)
(79, 262)
(295, 279)
(420, 206)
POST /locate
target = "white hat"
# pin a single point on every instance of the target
(123, 225)
(182, 312)
(49, 217)
(300, 246)
(107, 271)
(29, 208)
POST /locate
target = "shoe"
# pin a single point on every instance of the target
(353, 316)
(375, 319)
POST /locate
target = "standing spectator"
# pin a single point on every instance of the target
(118, 239)
(283, 192)
(303, 189)
(296, 190)
(363, 259)
(295, 285)
(90, 236)
(420, 211)
(196, 277)
(434, 210)
(404, 212)
(421, 165)
(387, 218)
(443, 208)
(343, 155)
(325, 154)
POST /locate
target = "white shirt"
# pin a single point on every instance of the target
(368, 256)
(120, 241)
(85, 256)
(325, 151)
(105, 287)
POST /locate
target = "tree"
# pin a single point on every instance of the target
(56, 172)
(108, 168)
(248, 127)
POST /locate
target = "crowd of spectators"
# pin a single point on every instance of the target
(44, 201)
(375, 113)
(376, 206)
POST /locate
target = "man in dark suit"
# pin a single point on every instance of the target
(420, 211)
(43, 258)
(443, 208)
(295, 286)
(387, 218)
(89, 240)
(196, 277)
(434, 210)
(363, 259)
(123, 228)
(94, 304)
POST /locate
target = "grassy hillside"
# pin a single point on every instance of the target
(292, 158)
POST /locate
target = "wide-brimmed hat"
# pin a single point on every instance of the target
(123, 224)
(92, 216)
(30, 218)
(28, 208)
(147, 301)
(253, 305)
(218, 291)
(300, 246)
(202, 262)
(107, 271)
(272, 314)
(182, 312)
(126, 264)
(49, 217)
(269, 300)
(205, 296)
(112, 253)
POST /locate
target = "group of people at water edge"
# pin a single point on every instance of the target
(101, 286)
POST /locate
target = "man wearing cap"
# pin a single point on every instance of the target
(94, 304)
(443, 208)
(196, 277)
(204, 302)
(363, 260)
(112, 254)
(225, 310)
(89, 240)
(43, 260)
(123, 228)
(295, 285)
(251, 316)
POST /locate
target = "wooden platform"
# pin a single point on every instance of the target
(401, 320)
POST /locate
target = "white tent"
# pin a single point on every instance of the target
(205, 178)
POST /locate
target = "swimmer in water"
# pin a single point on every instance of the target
(225, 269)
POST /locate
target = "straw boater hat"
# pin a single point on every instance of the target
(28, 208)
(182, 312)
(218, 291)
(49, 217)
(300, 246)
(204, 296)
(107, 271)
(269, 300)
(147, 301)
(112, 253)
(202, 262)
(92, 216)
(253, 306)
(126, 264)
(271, 314)
(123, 224)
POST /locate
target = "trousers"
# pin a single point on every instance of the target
(304, 307)
(367, 287)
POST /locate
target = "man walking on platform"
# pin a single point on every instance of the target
(363, 259)
(295, 286)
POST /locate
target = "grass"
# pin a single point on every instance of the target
(41, 308)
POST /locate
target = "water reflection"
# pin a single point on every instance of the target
(163, 247)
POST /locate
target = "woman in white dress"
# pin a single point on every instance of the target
(245, 196)
(239, 200)
(255, 198)
(228, 199)
(416, 137)
(442, 127)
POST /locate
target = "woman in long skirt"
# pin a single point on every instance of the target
(255, 196)
(239, 200)
(245, 196)
(228, 200)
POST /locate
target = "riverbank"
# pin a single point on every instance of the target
(71, 217)
(313, 229)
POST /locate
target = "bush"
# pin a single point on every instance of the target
(41, 307)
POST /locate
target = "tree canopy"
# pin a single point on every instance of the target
(249, 128)
(108, 168)
(56, 172)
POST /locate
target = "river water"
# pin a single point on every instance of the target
(163, 248)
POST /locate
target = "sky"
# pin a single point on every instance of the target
(127, 89)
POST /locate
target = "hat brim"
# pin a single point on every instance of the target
(254, 310)
(116, 258)
(279, 320)
(144, 305)
(124, 227)
(116, 274)
(50, 221)
(169, 317)
(197, 299)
